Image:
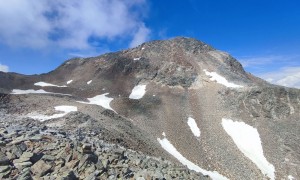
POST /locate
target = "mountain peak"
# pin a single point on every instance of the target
(179, 99)
(186, 43)
(179, 61)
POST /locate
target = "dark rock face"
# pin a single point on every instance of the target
(177, 75)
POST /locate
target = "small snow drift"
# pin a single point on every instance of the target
(44, 84)
(138, 92)
(221, 79)
(32, 91)
(248, 141)
(89, 82)
(64, 109)
(68, 82)
(136, 59)
(29, 91)
(100, 100)
(194, 128)
(166, 144)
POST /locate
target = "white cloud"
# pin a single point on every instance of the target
(259, 61)
(70, 24)
(4, 68)
(282, 70)
(140, 36)
(287, 76)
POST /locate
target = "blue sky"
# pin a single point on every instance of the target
(38, 36)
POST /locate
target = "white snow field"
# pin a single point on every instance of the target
(44, 84)
(194, 128)
(248, 141)
(89, 82)
(64, 109)
(100, 100)
(136, 59)
(32, 91)
(68, 82)
(166, 144)
(138, 92)
(220, 79)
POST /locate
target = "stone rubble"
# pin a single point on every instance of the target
(30, 150)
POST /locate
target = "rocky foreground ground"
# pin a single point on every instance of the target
(31, 150)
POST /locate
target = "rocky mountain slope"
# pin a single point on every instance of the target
(31, 150)
(178, 99)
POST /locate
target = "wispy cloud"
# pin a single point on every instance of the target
(71, 24)
(277, 69)
(4, 68)
(249, 61)
(262, 60)
(286, 76)
(140, 36)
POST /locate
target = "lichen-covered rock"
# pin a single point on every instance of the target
(3, 159)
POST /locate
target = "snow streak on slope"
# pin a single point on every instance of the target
(29, 91)
(193, 125)
(64, 109)
(100, 100)
(89, 82)
(68, 82)
(136, 59)
(248, 141)
(138, 92)
(44, 84)
(166, 144)
(32, 91)
(221, 79)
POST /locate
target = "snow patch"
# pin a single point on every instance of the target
(137, 59)
(138, 92)
(29, 91)
(194, 128)
(166, 144)
(290, 177)
(32, 91)
(64, 109)
(100, 100)
(164, 134)
(89, 82)
(68, 82)
(143, 48)
(221, 80)
(44, 84)
(248, 141)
